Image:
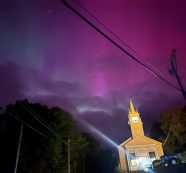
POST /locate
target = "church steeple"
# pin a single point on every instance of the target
(135, 122)
(132, 109)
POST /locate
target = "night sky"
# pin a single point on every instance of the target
(49, 55)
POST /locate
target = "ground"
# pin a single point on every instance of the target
(180, 168)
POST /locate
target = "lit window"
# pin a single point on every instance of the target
(132, 157)
(152, 155)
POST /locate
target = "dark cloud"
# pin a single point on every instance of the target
(53, 101)
(19, 82)
(61, 61)
(109, 115)
(11, 83)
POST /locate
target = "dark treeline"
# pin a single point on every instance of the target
(170, 129)
(44, 149)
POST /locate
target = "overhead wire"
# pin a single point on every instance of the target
(116, 36)
(168, 134)
(41, 119)
(36, 116)
(26, 124)
(117, 45)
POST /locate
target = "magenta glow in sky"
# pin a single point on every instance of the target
(49, 55)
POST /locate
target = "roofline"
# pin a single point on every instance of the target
(125, 142)
(148, 138)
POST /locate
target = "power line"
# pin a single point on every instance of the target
(117, 45)
(15, 117)
(169, 132)
(25, 105)
(36, 116)
(116, 36)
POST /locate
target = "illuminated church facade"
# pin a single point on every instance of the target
(139, 149)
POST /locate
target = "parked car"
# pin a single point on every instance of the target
(170, 159)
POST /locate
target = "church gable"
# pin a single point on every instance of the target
(125, 142)
(138, 147)
(142, 140)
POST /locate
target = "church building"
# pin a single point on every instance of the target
(138, 151)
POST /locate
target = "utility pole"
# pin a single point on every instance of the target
(174, 71)
(68, 155)
(83, 164)
(18, 149)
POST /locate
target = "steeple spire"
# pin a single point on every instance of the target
(135, 122)
(132, 109)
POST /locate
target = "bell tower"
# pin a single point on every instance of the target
(136, 125)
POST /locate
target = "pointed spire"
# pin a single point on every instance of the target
(137, 110)
(131, 107)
